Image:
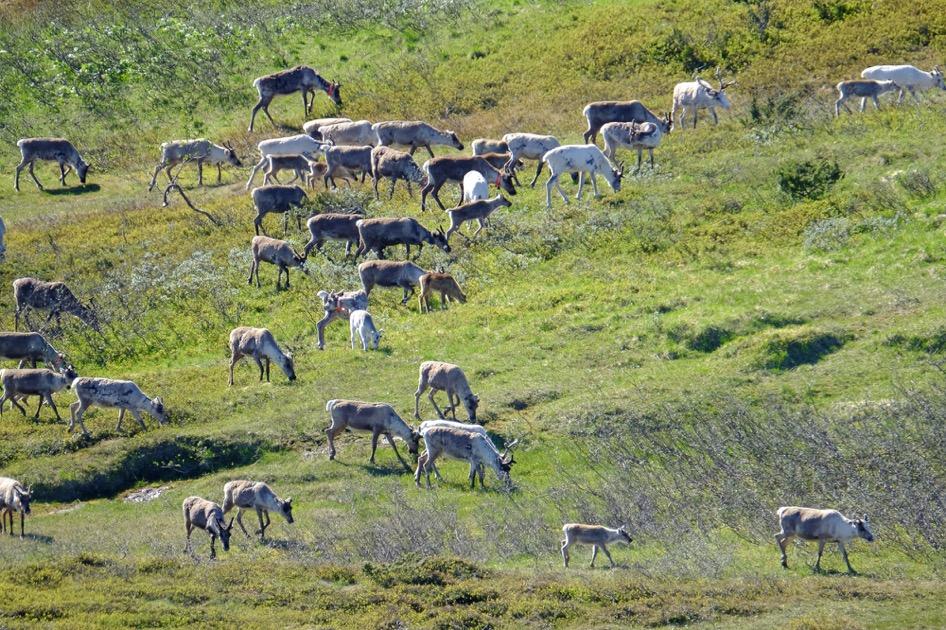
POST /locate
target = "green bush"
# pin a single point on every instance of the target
(810, 179)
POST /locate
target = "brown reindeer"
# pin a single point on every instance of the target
(54, 297)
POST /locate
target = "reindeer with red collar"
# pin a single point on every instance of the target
(339, 306)
(453, 168)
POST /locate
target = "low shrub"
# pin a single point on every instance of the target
(810, 179)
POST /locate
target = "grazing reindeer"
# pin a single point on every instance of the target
(602, 112)
(442, 282)
(441, 170)
(259, 344)
(299, 79)
(478, 211)
(106, 392)
(594, 535)
(821, 525)
(379, 418)
(382, 232)
(390, 273)
(29, 348)
(471, 446)
(339, 306)
(361, 323)
(277, 198)
(582, 159)
(44, 383)
(208, 516)
(335, 226)
(394, 164)
(530, 146)
(312, 127)
(255, 495)
(448, 378)
(698, 94)
(14, 497)
(51, 150)
(54, 297)
(634, 135)
(865, 89)
(202, 150)
(276, 252)
(908, 78)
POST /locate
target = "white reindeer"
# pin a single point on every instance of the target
(581, 159)
(699, 94)
(908, 78)
(300, 144)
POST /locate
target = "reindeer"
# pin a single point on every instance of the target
(379, 418)
(698, 94)
(255, 495)
(339, 306)
(594, 535)
(54, 297)
(51, 150)
(448, 378)
(208, 516)
(107, 392)
(14, 497)
(470, 446)
(442, 282)
(259, 344)
(299, 79)
(201, 150)
(276, 252)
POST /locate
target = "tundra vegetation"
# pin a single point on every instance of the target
(676, 339)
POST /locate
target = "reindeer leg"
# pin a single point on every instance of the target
(259, 364)
(33, 175)
(262, 527)
(581, 184)
(49, 400)
(537, 171)
(121, 418)
(62, 174)
(604, 548)
(137, 416)
(390, 440)
(16, 175)
(374, 443)
(565, 552)
(200, 172)
(434, 403)
(473, 476)
(219, 174)
(239, 520)
(594, 554)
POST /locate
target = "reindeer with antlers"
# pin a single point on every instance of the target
(699, 94)
(200, 150)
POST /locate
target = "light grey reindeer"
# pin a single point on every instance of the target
(208, 516)
(200, 150)
(865, 89)
(258, 496)
(260, 345)
(111, 393)
(594, 535)
(55, 297)
(51, 150)
(298, 79)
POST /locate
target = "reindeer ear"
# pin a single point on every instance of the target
(288, 501)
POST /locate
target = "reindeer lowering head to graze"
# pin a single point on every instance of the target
(472, 446)
(255, 495)
(114, 394)
(275, 252)
(478, 211)
(277, 198)
(453, 168)
(449, 378)
(582, 159)
(200, 150)
(14, 497)
(208, 516)
(414, 134)
(908, 78)
(594, 535)
(634, 135)
(394, 164)
(55, 297)
(390, 273)
(22, 383)
(260, 345)
(379, 418)
(382, 232)
(443, 283)
(50, 150)
(299, 79)
(699, 94)
(339, 305)
(30, 347)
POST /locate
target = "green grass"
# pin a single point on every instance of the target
(630, 321)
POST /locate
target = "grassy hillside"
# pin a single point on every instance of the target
(684, 355)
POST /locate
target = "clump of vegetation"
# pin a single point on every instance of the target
(827, 234)
(810, 179)
(918, 183)
(932, 343)
(788, 348)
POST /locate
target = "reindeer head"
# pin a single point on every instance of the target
(70, 375)
(439, 239)
(506, 460)
(863, 529)
(937, 74)
(455, 141)
(23, 497)
(503, 202)
(666, 124)
(504, 182)
(82, 168)
(286, 508)
(615, 177)
(413, 443)
(471, 402)
(624, 535)
(288, 366)
(158, 410)
(224, 533)
(231, 155)
(717, 96)
(334, 92)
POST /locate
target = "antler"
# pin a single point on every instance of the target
(719, 77)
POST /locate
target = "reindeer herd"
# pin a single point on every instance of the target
(360, 148)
